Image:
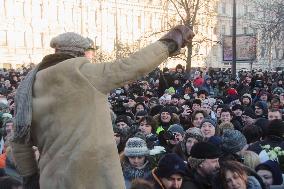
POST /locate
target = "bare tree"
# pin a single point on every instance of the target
(269, 22)
(194, 14)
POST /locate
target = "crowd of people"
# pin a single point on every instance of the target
(178, 131)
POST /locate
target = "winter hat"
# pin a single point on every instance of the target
(237, 107)
(142, 113)
(233, 141)
(170, 164)
(274, 168)
(262, 105)
(154, 100)
(166, 109)
(155, 110)
(232, 91)
(226, 125)
(216, 140)
(193, 132)
(176, 128)
(246, 95)
(276, 128)
(250, 113)
(136, 147)
(122, 118)
(70, 43)
(209, 120)
(205, 150)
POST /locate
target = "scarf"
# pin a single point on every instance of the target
(24, 96)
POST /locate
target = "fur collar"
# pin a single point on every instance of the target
(53, 59)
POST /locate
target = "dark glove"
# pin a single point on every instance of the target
(31, 182)
(177, 38)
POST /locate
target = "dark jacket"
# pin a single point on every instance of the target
(273, 141)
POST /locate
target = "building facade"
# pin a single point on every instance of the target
(27, 26)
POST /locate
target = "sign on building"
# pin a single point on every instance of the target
(246, 48)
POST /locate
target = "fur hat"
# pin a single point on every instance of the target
(194, 132)
(170, 164)
(276, 128)
(136, 147)
(70, 43)
(233, 141)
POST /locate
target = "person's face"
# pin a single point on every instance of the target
(263, 97)
(232, 82)
(246, 101)
(179, 70)
(274, 115)
(207, 130)
(226, 117)
(202, 96)
(208, 81)
(248, 80)
(152, 104)
(206, 108)
(9, 130)
(247, 120)
(209, 167)
(137, 161)
(174, 101)
(266, 177)
(238, 112)
(218, 112)
(131, 103)
(139, 108)
(165, 117)
(196, 107)
(173, 182)
(89, 54)
(117, 138)
(197, 119)
(121, 125)
(281, 97)
(189, 143)
(258, 111)
(178, 138)
(145, 128)
(234, 181)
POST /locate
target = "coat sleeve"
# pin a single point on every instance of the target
(108, 76)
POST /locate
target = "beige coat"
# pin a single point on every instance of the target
(71, 119)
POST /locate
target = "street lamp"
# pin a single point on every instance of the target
(234, 49)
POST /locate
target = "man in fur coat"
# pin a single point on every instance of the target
(62, 108)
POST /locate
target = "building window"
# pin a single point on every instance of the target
(245, 30)
(19, 9)
(139, 22)
(3, 38)
(19, 39)
(245, 9)
(223, 29)
(223, 8)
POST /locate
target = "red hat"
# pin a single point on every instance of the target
(232, 91)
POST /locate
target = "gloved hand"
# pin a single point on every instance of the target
(177, 38)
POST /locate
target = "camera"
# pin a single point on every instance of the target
(169, 135)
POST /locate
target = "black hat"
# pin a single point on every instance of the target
(122, 118)
(276, 128)
(249, 112)
(205, 150)
(237, 107)
(170, 164)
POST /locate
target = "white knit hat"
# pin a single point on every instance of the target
(136, 147)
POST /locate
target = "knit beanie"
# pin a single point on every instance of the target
(205, 150)
(176, 128)
(237, 107)
(136, 147)
(170, 164)
(274, 168)
(250, 113)
(262, 105)
(154, 100)
(70, 43)
(193, 132)
(209, 120)
(232, 91)
(166, 109)
(233, 141)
